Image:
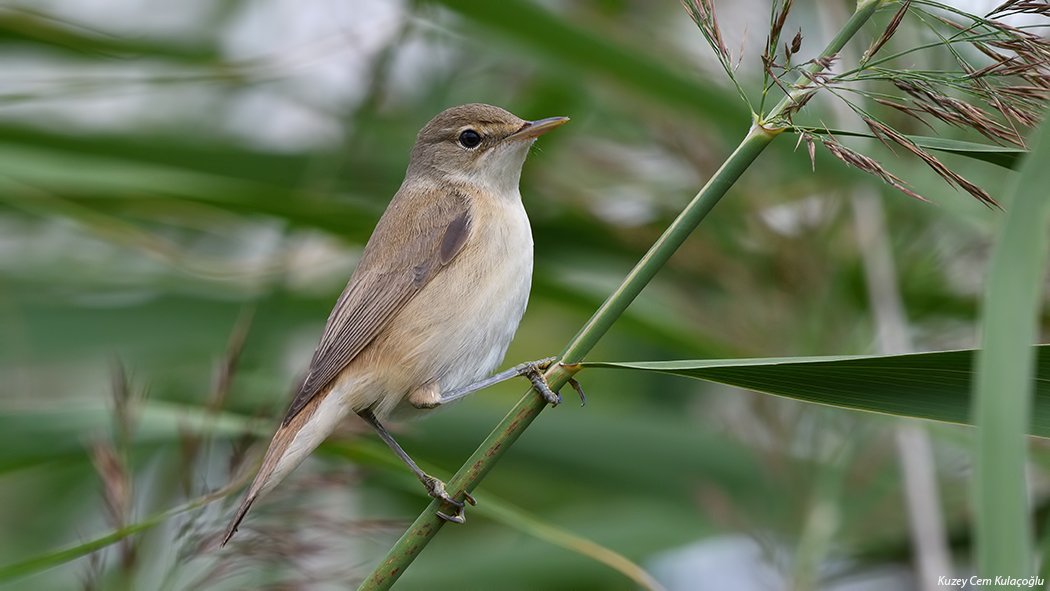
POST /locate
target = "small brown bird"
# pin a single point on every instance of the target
(435, 300)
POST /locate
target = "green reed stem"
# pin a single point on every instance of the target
(521, 416)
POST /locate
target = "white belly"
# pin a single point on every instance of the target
(482, 326)
(462, 338)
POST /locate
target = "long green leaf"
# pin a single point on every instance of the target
(36, 564)
(65, 431)
(1003, 393)
(933, 386)
(22, 28)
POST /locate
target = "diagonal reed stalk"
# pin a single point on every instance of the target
(521, 416)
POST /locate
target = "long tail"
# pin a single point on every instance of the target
(292, 443)
(246, 504)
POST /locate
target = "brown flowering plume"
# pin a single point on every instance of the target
(997, 84)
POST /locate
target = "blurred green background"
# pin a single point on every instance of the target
(173, 173)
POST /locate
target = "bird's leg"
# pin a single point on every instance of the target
(529, 369)
(435, 487)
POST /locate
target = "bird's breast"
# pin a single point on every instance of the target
(457, 329)
(495, 271)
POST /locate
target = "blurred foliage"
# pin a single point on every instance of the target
(166, 168)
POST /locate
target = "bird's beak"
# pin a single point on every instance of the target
(532, 129)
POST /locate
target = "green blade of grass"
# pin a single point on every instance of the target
(934, 386)
(25, 28)
(1003, 394)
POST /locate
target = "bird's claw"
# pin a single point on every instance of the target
(436, 488)
(579, 390)
(545, 362)
(459, 517)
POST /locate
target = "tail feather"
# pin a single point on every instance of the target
(231, 529)
(281, 457)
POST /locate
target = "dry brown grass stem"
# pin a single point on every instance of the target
(864, 163)
(887, 134)
(891, 28)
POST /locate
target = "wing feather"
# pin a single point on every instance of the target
(399, 260)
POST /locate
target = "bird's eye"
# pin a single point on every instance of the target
(469, 139)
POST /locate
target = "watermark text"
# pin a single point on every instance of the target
(975, 581)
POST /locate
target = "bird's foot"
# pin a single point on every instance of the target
(533, 371)
(436, 489)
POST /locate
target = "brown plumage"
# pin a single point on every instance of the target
(436, 297)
